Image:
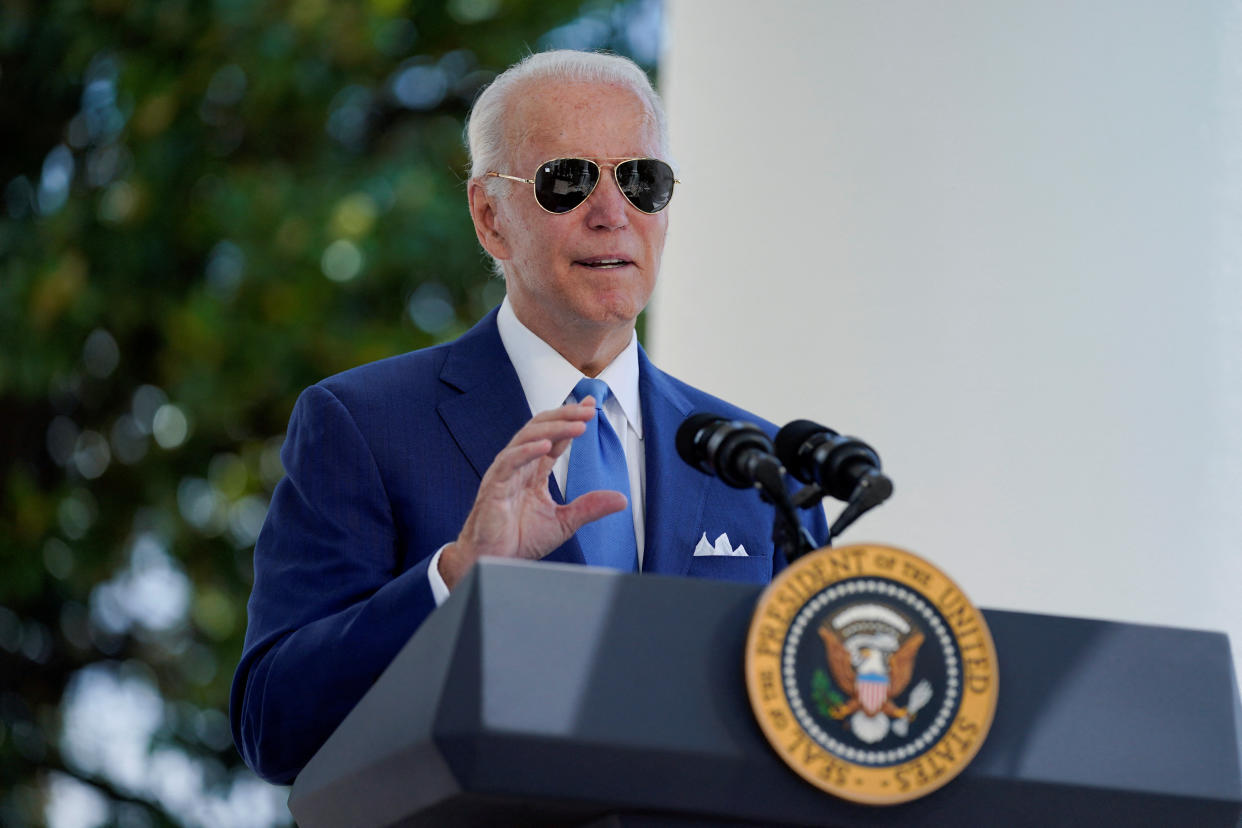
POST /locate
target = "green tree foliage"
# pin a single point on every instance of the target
(207, 207)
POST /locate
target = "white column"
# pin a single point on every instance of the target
(1002, 242)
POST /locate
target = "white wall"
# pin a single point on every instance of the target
(1002, 242)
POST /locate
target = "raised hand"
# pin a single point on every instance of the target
(514, 515)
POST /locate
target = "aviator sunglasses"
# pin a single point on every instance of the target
(563, 183)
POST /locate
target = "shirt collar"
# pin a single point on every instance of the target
(548, 379)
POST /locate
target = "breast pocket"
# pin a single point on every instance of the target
(756, 569)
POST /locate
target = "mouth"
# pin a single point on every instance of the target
(603, 262)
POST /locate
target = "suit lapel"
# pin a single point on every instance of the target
(676, 493)
(490, 407)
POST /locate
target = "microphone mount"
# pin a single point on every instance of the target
(832, 465)
(742, 456)
(872, 490)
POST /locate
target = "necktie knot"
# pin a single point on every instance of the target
(596, 388)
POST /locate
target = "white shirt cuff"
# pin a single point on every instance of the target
(439, 589)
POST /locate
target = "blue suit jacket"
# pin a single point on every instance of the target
(382, 464)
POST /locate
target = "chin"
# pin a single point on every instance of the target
(616, 309)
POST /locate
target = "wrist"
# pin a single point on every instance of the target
(451, 567)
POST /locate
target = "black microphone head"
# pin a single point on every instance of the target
(687, 440)
(732, 448)
(815, 454)
(729, 449)
(789, 443)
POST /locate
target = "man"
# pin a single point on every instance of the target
(402, 473)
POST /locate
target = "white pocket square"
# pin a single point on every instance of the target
(722, 547)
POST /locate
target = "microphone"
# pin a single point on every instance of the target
(839, 465)
(739, 453)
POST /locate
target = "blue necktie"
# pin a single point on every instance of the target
(597, 461)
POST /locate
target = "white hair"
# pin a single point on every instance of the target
(486, 129)
(487, 134)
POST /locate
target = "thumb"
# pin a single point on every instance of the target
(588, 507)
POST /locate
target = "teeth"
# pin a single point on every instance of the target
(606, 263)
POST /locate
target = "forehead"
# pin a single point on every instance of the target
(556, 119)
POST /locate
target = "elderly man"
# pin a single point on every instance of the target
(402, 473)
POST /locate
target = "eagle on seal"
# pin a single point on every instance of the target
(875, 680)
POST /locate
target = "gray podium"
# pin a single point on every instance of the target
(547, 695)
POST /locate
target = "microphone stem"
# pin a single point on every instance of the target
(872, 490)
(788, 533)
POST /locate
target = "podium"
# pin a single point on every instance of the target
(553, 695)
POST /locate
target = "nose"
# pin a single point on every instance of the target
(607, 208)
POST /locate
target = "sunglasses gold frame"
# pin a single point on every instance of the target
(616, 162)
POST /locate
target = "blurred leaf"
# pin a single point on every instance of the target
(206, 207)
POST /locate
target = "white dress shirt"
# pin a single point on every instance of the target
(548, 381)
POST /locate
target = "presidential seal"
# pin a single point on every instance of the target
(871, 673)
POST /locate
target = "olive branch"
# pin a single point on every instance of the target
(826, 698)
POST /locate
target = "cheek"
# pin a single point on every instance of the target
(657, 232)
(519, 220)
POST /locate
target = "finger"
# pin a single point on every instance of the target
(584, 410)
(512, 458)
(553, 430)
(560, 446)
(538, 480)
(557, 428)
(590, 506)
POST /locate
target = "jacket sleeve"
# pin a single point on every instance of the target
(328, 610)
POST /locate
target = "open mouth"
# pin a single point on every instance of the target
(603, 263)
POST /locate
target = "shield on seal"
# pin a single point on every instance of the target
(872, 692)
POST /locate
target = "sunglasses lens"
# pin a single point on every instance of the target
(564, 183)
(647, 183)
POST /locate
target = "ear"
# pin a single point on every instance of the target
(487, 224)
